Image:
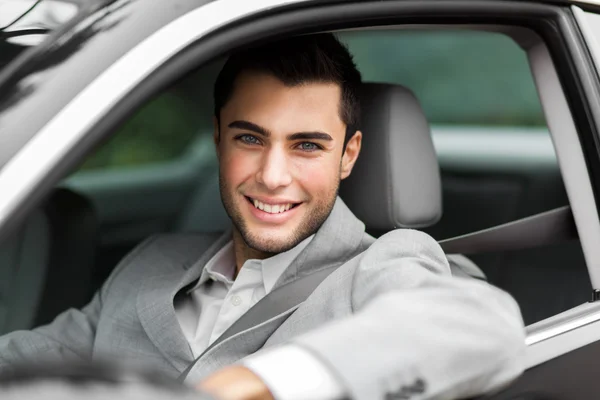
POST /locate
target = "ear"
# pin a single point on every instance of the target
(351, 154)
(216, 135)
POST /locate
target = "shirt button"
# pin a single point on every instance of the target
(236, 300)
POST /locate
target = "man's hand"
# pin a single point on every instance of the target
(236, 383)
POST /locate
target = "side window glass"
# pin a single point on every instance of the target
(463, 78)
(164, 130)
(488, 127)
(161, 131)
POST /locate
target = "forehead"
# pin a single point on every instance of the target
(265, 100)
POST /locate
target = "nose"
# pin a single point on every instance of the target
(274, 172)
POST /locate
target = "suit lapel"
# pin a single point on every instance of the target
(180, 262)
(338, 240)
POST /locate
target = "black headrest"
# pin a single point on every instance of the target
(396, 180)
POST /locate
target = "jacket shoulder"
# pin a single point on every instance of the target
(164, 253)
(405, 244)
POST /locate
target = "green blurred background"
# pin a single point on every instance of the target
(462, 78)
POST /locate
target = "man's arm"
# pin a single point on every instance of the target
(69, 337)
(416, 331)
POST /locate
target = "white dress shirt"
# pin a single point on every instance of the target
(217, 301)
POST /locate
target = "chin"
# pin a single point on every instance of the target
(271, 242)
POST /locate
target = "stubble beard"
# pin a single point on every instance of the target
(313, 220)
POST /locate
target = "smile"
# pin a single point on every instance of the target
(271, 208)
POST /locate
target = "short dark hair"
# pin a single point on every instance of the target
(311, 58)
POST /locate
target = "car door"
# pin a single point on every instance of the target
(563, 350)
(557, 53)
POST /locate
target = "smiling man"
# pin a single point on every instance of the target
(281, 155)
(388, 321)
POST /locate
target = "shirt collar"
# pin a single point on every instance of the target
(273, 267)
(221, 267)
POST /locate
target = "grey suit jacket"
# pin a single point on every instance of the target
(390, 321)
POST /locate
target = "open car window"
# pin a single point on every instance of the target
(158, 172)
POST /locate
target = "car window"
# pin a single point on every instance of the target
(479, 96)
(158, 171)
(460, 77)
(496, 155)
(160, 131)
(164, 129)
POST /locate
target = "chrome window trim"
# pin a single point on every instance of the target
(562, 323)
(579, 328)
(28, 167)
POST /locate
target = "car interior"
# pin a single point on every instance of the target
(484, 175)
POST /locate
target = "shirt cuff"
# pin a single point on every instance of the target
(292, 373)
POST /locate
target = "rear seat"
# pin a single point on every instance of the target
(47, 263)
(24, 261)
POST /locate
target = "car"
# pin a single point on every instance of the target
(106, 139)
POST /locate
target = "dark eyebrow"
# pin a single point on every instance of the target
(310, 136)
(249, 126)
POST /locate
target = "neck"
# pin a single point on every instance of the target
(243, 252)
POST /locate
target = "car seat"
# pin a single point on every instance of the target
(396, 180)
(394, 184)
(46, 264)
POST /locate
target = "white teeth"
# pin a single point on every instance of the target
(272, 209)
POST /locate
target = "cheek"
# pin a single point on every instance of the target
(237, 167)
(318, 177)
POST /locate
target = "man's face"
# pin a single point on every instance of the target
(280, 155)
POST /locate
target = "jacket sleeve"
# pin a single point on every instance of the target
(417, 332)
(70, 337)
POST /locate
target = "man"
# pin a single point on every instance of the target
(389, 322)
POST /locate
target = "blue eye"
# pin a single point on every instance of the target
(307, 146)
(249, 139)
